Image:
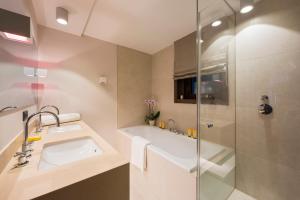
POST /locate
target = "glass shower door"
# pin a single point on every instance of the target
(217, 100)
(248, 105)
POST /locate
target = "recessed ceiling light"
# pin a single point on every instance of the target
(61, 16)
(216, 23)
(246, 6)
(201, 41)
(246, 9)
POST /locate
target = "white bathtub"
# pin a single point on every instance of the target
(178, 149)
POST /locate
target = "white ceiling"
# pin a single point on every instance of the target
(79, 10)
(145, 25)
(215, 9)
(16, 6)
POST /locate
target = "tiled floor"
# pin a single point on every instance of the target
(238, 195)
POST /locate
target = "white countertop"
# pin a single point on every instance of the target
(28, 182)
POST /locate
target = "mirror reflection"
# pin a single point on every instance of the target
(18, 74)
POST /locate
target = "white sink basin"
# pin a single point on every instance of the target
(65, 152)
(64, 129)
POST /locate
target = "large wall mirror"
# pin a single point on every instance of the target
(18, 80)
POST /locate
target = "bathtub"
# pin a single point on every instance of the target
(172, 157)
(178, 149)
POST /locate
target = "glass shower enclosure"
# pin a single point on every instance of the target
(248, 99)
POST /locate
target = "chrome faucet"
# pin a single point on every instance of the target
(39, 127)
(207, 124)
(26, 150)
(50, 106)
(171, 125)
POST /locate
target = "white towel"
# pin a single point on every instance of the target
(63, 118)
(139, 152)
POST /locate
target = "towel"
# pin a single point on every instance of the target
(139, 152)
(68, 117)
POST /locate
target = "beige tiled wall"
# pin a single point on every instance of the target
(141, 76)
(185, 115)
(134, 86)
(268, 63)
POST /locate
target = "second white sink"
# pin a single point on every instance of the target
(65, 152)
(64, 129)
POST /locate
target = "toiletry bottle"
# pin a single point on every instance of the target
(194, 133)
(189, 132)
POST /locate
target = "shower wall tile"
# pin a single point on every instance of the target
(134, 86)
(268, 63)
(272, 28)
(266, 180)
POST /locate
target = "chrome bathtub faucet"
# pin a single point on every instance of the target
(171, 125)
(26, 146)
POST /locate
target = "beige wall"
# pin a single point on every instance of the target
(74, 66)
(185, 115)
(268, 49)
(134, 86)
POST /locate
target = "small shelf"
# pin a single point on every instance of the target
(187, 101)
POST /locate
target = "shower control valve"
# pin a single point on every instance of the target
(265, 108)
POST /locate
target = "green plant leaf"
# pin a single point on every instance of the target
(156, 115)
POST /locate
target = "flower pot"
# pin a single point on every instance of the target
(151, 122)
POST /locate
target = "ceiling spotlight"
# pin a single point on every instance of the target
(246, 6)
(246, 9)
(201, 41)
(61, 16)
(216, 23)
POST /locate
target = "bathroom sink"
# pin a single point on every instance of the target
(61, 153)
(64, 129)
